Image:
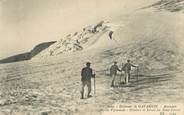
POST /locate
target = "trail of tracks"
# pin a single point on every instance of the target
(55, 88)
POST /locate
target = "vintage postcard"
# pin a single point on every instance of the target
(91, 57)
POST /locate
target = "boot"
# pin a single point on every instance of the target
(112, 84)
(89, 95)
(82, 95)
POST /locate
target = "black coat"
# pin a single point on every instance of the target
(86, 74)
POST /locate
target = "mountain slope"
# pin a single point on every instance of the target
(145, 38)
(79, 40)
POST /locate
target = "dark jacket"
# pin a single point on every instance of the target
(114, 69)
(127, 67)
(86, 74)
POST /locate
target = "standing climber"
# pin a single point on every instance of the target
(86, 75)
(122, 69)
(127, 68)
(113, 72)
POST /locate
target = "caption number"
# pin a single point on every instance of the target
(163, 113)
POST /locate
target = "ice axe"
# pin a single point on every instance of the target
(94, 83)
(137, 73)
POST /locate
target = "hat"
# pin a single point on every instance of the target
(88, 63)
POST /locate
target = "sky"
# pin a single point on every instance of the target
(26, 23)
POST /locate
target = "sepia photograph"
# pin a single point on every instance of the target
(91, 57)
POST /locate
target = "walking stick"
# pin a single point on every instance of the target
(94, 84)
(121, 77)
(137, 73)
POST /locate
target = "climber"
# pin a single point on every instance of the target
(86, 75)
(127, 68)
(113, 72)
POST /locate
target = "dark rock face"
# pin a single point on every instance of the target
(16, 58)
(40, 47)
(169, 5)
(28, 55)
